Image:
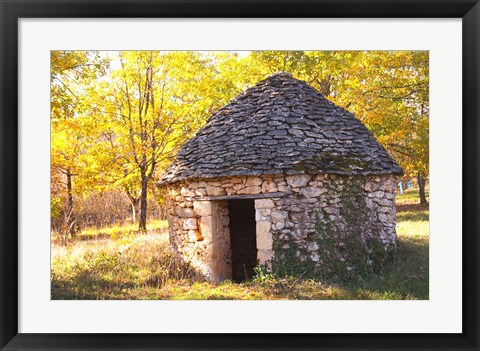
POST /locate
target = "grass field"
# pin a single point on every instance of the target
(120, 264)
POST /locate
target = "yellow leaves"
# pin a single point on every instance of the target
(149, 103)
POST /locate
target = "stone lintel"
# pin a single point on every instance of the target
(238, 197)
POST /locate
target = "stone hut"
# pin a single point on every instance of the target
(280, 173)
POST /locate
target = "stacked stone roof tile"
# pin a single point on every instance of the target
(282, 125)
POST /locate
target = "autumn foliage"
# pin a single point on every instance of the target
(118, 118)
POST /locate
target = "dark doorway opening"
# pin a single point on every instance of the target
(243, 241)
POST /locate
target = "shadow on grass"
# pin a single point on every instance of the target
(411, 207)
(88, 286)
(407, 278)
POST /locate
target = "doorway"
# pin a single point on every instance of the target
(243, 241)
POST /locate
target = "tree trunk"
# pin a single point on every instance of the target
(142, 225)
(70, 217)
(421, 186)
(134, 201)
(134, 210)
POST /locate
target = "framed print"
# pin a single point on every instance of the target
(216, 152)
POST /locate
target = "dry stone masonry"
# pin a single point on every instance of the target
(318, 180)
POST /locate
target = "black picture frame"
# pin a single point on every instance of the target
(12, 11)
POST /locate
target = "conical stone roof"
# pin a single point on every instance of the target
(282, 125)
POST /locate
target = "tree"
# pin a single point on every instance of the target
(69, 70)
(151, 104)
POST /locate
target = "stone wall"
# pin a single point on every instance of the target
(290, 211)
